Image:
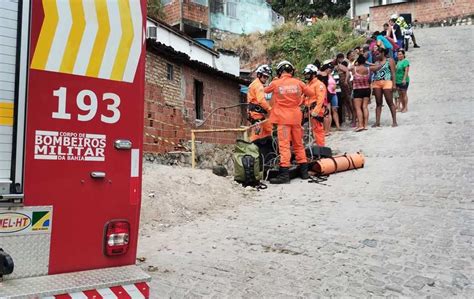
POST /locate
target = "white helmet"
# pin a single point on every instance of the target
(265, 70)
(310, 69)
(284, 65)
(394, 16)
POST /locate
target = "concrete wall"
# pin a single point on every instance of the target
(425, 11)
(170, 106)
(228, 63)
(362, 7)
(252, 16)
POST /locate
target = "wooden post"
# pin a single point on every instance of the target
(193, 149)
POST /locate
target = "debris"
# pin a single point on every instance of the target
(220, 170)
(141, 259)
(370, 243)
(152, 269)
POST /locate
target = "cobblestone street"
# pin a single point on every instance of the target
(403, 226)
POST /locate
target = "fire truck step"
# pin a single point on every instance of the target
(126, 277)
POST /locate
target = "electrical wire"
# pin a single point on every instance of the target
(218, 108)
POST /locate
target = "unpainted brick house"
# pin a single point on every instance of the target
(197, 18)
(189, 16)
(424, 11)
(186, 84)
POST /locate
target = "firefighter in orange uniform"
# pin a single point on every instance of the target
(258, 108)
(286, 114)
(315, 105)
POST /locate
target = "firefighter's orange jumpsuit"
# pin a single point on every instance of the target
(318, 108)
(286, 113)
(256, 96)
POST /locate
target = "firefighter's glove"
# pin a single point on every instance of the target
(317, 117)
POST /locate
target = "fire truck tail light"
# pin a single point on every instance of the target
(118, 239)
(117, 236)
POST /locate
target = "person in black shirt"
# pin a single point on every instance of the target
(397, 32)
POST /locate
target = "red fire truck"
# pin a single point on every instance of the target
(71, 126)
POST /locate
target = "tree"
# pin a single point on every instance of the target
(155, 9)
(292, 8)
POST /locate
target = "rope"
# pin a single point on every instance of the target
(166, 140)
(319, 179)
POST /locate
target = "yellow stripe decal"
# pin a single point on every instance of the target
(100, 40)
(45, 40)
(75, 36)
(6, 114)
(125, 42)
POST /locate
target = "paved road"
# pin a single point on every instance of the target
(403, 226)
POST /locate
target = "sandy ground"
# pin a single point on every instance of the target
(175, 195)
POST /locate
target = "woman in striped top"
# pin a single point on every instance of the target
(361, 87)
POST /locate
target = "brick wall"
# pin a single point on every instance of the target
(191, 11)
(196, 13)
(170, 107)
(425, 11)
(172, 12)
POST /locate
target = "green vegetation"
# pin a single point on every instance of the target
(299, 44)
(155, 9)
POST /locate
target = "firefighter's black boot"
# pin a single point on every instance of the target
(304, 171)
(283, 177)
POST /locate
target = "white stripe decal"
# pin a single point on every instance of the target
(114, 40)
(88, 38)
(45, 157)
(134, 163)
(47, 133)
(133, 291)
(79, 295)
(100, 136)
(101, 159)
(136, 48)
(61, 37)
(107, 294)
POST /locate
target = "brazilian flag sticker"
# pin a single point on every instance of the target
(41, 221)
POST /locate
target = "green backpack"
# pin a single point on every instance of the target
(247, 164)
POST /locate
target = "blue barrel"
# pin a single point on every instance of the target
(205, 42)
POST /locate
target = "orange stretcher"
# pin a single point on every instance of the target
(340, 163)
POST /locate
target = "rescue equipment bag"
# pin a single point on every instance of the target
(266, 149)
(339, 163)
(247, 164)
(315, 152)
